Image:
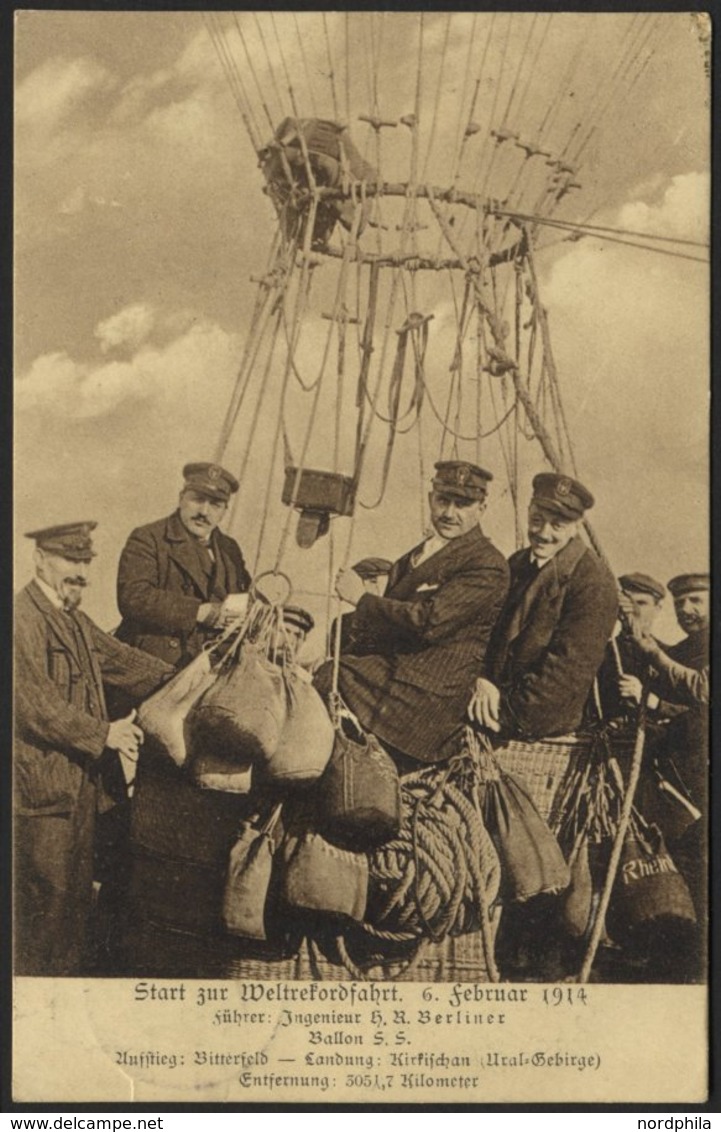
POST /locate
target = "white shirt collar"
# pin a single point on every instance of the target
(52, 595)
(539, 562)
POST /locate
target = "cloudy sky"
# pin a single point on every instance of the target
(140, 219)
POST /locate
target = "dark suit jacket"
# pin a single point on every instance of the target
(162, 584)
(418, 649)
(550, 640)
(60, 715)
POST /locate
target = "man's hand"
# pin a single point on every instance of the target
(349, 586)
(485, 705)
(630, 688)
(125, 737)
(208, 614)
(233, 610)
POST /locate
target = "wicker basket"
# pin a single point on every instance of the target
(543, 768)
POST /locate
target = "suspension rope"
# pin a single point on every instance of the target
(306, 68)
(331, 74)
(251, 65)
(271, 68)
(234, 81)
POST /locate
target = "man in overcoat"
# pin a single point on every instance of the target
(420, 645)
(175, 574)
(62, 740)
(550, 638)
(180, 581)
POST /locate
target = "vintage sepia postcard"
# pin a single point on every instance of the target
(362, 584)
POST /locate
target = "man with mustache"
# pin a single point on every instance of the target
(176, 574)
(680, 676)
(413, 652)
(180, 581)
(62, 745)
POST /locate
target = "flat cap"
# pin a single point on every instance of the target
(642, 584)
(372, 567)
(296, 615)
(688, 584)
(69, 540)
(459, 478)
(561, 494)
(211, 480)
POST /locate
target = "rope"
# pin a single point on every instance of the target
(594, 229)
(249, 60)
(331, 74)
(629, 795)
(269, 61)
(305, 65)
(234, 80)
(440, 875)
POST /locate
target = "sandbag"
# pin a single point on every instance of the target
(578, 897)
(241, 716)
(249, 872)
(648, 886)
(320, 877)
(359, 794)
(305, 743)
(162, 716)
(530, 856)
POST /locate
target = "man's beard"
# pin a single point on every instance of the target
(72, 592)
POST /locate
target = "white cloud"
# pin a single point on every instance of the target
(130, 327)
(683, 211)
(175, 374)
(56, 88)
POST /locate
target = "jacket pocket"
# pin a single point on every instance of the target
(46, 781)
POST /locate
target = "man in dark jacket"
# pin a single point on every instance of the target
(550, 638)
(62, 740)
(681, 678)
(623, 671)
(176, 574)
(425, 639)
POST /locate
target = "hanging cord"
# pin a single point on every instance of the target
(415, 328)
(331, 67)
(251, 66)
(609, 880)
(339, 302)
(308, 79)
(234, 79)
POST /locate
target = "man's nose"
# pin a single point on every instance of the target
(81, 569)
(546, 531)
(204, 506)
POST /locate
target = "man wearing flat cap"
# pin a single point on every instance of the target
(180, 581)
(419, 646)
(62, 744)
(680, 675)
(551, 636)
(624, 670)
(176, 574)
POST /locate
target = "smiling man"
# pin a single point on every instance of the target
(175, 574)
(551, 636)
(415, 650)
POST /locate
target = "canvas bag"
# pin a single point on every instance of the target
(305, 742)
(162, 716)
(249, 871)
(241, 716)
(359, 794)
(323, 878)
(648, 886)
(530, 856)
